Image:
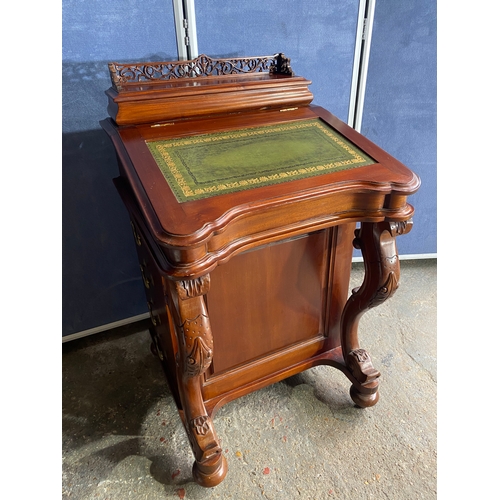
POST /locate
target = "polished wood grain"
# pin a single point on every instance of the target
(150, 92)
(248, 288)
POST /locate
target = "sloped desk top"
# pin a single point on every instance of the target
(377, 185)
(226, 162)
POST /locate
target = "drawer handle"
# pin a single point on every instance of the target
(148, 281)
(137, 238)
(155, 319)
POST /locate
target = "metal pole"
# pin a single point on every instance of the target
(185, 29)
(360, 64)
(190, 16)
(180, 31)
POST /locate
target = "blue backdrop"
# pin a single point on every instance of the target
(101, 282)
(317, 36)
(400, 104)
(101, 279)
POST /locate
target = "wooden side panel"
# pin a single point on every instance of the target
(163, 330)
(339, 279)
(269, 298)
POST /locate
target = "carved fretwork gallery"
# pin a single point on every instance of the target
(245, 202)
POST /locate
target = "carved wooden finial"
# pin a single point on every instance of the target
(281, 65)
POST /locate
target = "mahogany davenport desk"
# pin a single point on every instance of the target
(244, 200)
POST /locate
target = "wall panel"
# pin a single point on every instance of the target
(101, 282)
(400, 104)
(318, 36)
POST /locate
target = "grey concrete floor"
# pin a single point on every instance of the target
(300, 438)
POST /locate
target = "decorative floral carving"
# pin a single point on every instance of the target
(361, 366)
(201, 425)
(193, 288)
(123, 74)
(361, 355)
(199, 358)
(199, 345)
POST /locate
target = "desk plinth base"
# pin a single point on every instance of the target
(263, 316)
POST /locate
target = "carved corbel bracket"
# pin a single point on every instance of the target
(377, 244)
(197, 340)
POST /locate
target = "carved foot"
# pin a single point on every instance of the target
(210, 475)
(210, 466)
(360, 365)
(363, 400)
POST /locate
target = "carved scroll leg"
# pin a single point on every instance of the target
(195, 356)
(378, 245)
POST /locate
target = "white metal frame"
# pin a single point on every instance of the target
(103, 328)
(185, 29)
(360, 65)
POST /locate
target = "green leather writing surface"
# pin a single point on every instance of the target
(225, 162)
